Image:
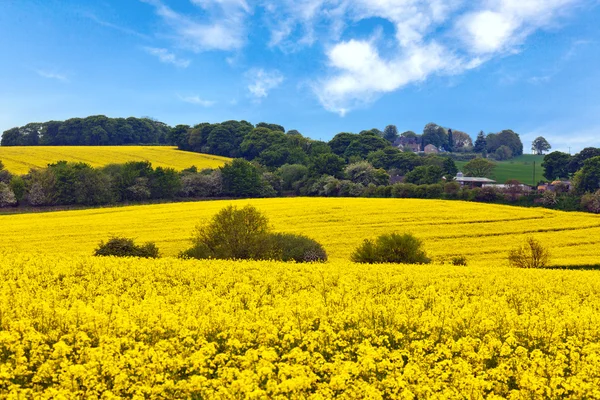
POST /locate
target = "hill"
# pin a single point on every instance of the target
(481, 232)
(519, 168)
(19, 159)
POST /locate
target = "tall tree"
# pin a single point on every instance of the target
(450, 146)
(390, 133)
(479, 167)
(480, 143)
(540, 145)
(587, 179)
(556, 165)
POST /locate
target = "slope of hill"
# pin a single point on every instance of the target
(20, 159)
(481, 232)
(520, 168)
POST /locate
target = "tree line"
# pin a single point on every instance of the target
(97, 130)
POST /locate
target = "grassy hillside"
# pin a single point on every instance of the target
(482, 232)
(19, 160)
(519, 168)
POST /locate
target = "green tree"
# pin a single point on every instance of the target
(391, 248)
(241, 178)
(392, 158)
(327, 164)
(540, 145)
(587, 179)
(480, 143)
(390, 133)
(505, 138)
(449, 168)
(435, 135)
(450, 146)
(556, 165)
(341, 141)
(579, 159)
(179, 136)
(365, 143)
(425, 175)
(479, 167)
(363, 172)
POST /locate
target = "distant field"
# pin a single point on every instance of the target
(19, 160)
(519, 168)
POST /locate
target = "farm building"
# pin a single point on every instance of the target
(472, 181)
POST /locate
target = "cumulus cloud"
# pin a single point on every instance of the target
(262, 82)
(165, 56)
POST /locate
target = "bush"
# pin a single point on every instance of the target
(299, 248)
(232, 234)
(459, 260)
(532, 254)
(125, 247)
(244, 234)
(590, 202)
(391, 248)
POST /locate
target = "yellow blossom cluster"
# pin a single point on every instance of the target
(20, 159)
(84, 327)
(483, 233)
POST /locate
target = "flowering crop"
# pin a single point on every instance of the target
(79, 327)
(483, 233)
(75, 326)
(20, 159)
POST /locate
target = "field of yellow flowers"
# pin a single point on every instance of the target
(75, 326)
(19, 160)
(481, 232)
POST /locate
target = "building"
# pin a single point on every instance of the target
(408, 143)
(472, 181)
(431, 149)
(556, 186)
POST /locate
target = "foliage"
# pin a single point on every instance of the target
(505, 138)
(391, 248)
(425, 175)
(392, 158)
(590, 202)
(232, 233)
(503, 153)
(578, 160)
(459, 260)
(532, 254)
(327, 164)
(203, 184)
(556, 165)
(480, 143)
(97, 130)
(125, 247)
(7, 196)
(587, 179)
(540, 145)
(363, 172)
(243, 179)
(479, 167)
(390, 133)
(299, 248)
(435, 135)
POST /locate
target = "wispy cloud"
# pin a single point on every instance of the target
(197, 101)
(262, 82)
(221, 26)
(52, 75)
(165, 56)
(122, 29)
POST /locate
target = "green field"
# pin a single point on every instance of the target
(519, 168)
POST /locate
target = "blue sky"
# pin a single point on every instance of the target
(318, 66)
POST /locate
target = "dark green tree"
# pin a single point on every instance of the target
(327, 164)
(390, 133)
(556, 165)
(587, 179)
(480, 145)
(540, 145)
(241, 178)
(579, 159)
(479, 167)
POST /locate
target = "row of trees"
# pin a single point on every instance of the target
(96, 130)
(583, 168)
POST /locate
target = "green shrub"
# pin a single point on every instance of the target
(299, 248)
(244, 234)
(459, 260)
(532, 254)
(232, 234)
(125, 247)
(391, 248)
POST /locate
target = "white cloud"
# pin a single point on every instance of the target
(165, 56)
(197, 101)
(431, 37)
(52, 75)
(220, 27)
(262, 82)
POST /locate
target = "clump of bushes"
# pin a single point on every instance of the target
(532, 254)
(244, 234)
(126, 247)
(391, 248)
(299, 248)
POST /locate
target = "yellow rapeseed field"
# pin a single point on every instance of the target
(75, 326)
(20, 159)
(481, 232)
